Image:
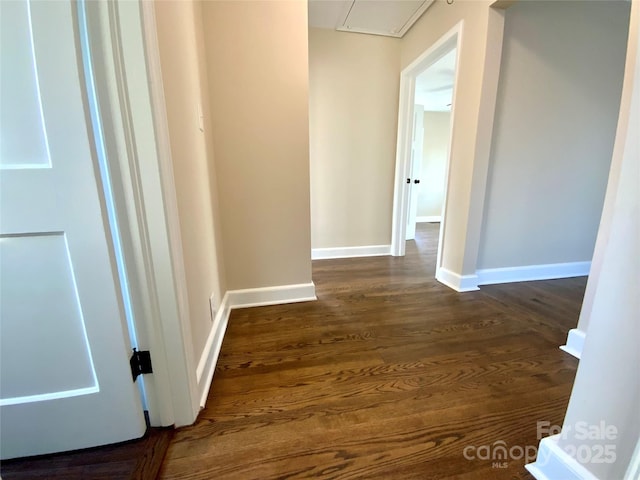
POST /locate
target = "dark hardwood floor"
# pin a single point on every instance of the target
(134, 460)
(389, 375)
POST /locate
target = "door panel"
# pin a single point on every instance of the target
(416, 166)
(39, 285)
(21, 110)
(64, 376)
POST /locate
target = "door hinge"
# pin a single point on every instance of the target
(140, 363)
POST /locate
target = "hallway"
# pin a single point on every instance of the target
(388, 375)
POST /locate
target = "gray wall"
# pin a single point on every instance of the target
(556, 115)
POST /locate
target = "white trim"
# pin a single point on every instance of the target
(575, 343)
(41, 397)
(460, 283)
(123, 38)
(527, 273)
(451, 39)
(177, 344)
(429, 219)
(553, 463)
(211, 352)
(108, 197)
(257, 297)
(250, 297)
(349, 252)
(117, 38)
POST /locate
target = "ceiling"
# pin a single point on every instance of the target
(392, 18)
(434, 86)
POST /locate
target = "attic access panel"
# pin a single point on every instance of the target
(392, 18)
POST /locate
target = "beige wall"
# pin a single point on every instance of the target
(556, 117)
(179, 28)
(479, 68)
(353, 104)
(257, 60)
(437, 126)
(473, 109)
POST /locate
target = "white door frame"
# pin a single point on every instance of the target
(131, 108)
(452, 39)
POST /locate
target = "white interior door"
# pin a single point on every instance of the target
(416, 165)
(65, 381)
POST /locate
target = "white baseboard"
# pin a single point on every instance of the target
(257, 297)
(349, 252)
(553, 463)
(575, 342)
(460, 283)
(207, 364)
(251, 297)
(527, 273)
(429, 219)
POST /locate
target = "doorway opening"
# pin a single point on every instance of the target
(426, 116)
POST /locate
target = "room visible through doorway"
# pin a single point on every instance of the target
(427, 105)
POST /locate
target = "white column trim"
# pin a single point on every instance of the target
(553, 463)
(575, 342)
(460, 283)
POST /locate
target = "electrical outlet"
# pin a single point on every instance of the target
(212, 307)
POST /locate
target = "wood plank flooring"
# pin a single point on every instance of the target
(389, 375)
(134, 460)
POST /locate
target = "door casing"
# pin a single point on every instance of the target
(131, 109)
(452, 39)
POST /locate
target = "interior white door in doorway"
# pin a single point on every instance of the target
(404, 158)
(413, 180)
(65, 381)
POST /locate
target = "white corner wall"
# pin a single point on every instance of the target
(606, 392)
(556, 115)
